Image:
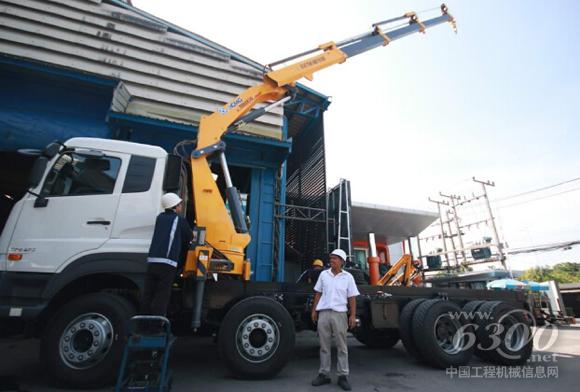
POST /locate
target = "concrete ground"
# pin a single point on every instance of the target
(197, 367)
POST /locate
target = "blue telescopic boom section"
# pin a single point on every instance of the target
(373, 40)
(377, 37)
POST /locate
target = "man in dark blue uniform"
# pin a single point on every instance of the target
(171, 237)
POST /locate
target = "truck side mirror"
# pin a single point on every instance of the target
(51, 150)
(37, 171)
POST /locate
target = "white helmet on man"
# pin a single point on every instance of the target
(170, 200)
(340, 253)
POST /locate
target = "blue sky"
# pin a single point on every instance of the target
(499, 101)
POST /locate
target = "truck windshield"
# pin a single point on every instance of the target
(75, 174)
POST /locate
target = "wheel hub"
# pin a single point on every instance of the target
(447, 334)
(257, 338)
(86, 340)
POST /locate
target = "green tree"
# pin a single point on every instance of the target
(561, 273)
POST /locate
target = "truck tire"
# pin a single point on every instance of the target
(405, 327)
(435, 330)
(256, 338)
(83, 343)
(472, 314)
(512, 343)
(470, 308)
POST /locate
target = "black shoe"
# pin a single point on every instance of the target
(343, 383)
(321, 380)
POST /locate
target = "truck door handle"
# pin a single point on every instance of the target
(99, 222)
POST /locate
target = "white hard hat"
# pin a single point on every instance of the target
(170, 200)
(340, 253)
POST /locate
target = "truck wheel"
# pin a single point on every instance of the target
(440, 334)
(256, 338)
(405, 327)
(472, 315)
(83, 343)
(506, 333)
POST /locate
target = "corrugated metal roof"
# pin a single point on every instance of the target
(164, 74)
(196, 37)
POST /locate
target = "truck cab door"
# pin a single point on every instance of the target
(81, 193)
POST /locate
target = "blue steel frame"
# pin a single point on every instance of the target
(280, 212)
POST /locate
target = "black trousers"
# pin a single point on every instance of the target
(157, 292)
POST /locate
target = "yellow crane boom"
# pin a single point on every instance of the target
(220, 233)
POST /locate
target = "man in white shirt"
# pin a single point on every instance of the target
(334, 290)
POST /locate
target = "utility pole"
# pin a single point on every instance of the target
(443, 235)
(492, 220)
(453, 204)
(453, 198)
(451, 235)
(419, 247)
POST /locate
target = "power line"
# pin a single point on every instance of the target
(539, 198)
(543, 248)
(537, 190)
(477, 204)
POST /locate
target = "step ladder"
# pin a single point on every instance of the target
(145, 363)
(339, 218)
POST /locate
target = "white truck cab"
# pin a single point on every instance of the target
(96, 195)
(73, 249)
